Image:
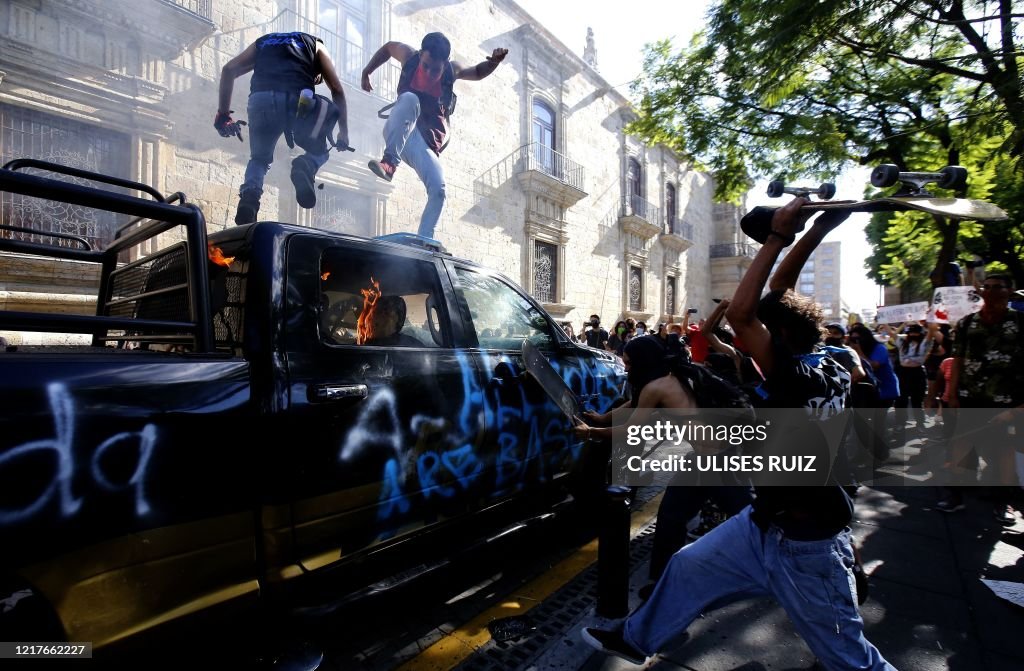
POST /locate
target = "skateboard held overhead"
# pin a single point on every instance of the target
(912, 195)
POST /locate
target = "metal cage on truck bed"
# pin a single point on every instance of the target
(162, 298)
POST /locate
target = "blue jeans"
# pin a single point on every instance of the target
(811, 580)
(269, 113)
(403, 142)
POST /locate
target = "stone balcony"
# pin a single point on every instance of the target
(678, 236)
(640, 218)
(544, 172)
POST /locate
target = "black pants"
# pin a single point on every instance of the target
(913, 386)
(678, 506)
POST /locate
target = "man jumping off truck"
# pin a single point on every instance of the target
(282, 66)
(425, 102)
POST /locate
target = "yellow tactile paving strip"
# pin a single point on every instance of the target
(459, 644)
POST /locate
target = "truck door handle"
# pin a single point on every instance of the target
(504, 374)
(339, 392)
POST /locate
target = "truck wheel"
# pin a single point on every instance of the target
(826, 191)
(885, 175)
(953, 177)
(776, 188)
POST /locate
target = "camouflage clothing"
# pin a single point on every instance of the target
(993, 356)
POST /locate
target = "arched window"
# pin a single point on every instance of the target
(544, 136)
(670, 208)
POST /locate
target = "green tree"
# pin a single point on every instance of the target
(790, 88)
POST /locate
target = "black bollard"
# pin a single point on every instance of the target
(613, 555)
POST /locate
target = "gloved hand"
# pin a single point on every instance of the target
(227, 126)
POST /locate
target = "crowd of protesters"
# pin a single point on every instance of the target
(902, 383)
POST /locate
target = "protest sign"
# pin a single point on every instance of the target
(951, 304)
(897, 314)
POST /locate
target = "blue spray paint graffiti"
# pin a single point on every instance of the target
(60, 486)
(532, 438)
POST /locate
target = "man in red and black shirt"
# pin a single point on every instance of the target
(425, 101)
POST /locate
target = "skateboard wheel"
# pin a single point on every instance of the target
(885, 175)
(953, 177)
(826, 191)
(776, 188)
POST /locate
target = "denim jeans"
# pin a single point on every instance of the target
(811, 580)
(403, 142)
(268, 117)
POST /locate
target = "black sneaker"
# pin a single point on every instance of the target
(246, 213)
(612, 643)
(757, 223)
(950, 504)
(1004, 515)
(302, 178)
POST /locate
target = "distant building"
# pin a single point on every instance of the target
(819, 279)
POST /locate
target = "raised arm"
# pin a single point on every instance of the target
(742, 312)
(789, 269)
(481, 69)
(337, 91)
(708, 329)
(232, 70)
(400, 51)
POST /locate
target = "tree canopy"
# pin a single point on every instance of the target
(790, 88)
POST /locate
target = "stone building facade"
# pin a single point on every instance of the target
(542, 181)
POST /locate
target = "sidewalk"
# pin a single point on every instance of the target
(928, 608)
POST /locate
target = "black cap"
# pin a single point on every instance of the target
(837, 326)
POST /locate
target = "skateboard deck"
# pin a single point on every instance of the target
(954, 208)
(757, 223)
(539, 368)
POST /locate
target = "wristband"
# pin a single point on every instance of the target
(787, 240)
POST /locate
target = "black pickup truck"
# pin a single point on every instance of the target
(257, 409)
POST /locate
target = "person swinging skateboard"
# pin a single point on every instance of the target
(425, 103)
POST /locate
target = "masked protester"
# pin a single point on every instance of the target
(595, 336)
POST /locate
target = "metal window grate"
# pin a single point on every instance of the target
(154, 288)
(27, 133)
(545, 272)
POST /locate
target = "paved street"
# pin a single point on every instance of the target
(928, 608)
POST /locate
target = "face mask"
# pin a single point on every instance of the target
(621, 330)
(594, 322)
(641, 330)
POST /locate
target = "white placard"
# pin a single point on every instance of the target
(897, 314)
(952, 304)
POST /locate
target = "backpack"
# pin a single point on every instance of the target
(710, 389)
(313, 130)
(448, 98)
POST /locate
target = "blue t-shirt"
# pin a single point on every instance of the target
(888, 385)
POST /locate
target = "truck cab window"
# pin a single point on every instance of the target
(378, 300)
(502, 317)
